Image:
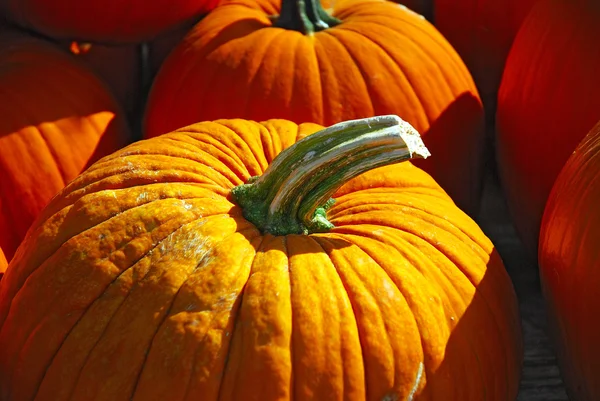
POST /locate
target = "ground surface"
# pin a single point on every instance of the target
(540, 377)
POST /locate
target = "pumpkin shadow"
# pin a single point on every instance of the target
(235, 30)
(458, 146)
(484, 354)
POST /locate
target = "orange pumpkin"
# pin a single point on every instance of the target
(376, 58)
(569, 263)
(143, 280)
(105, 21)
(482, 32)
(57, 119)
(548, 101)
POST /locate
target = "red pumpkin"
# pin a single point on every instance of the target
(57, 119)
(482, 32)
(547, 103)
(379, 59)
(569, 260)
(158, 274)
(105, 21)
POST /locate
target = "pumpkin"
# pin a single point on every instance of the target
(482, 32)
(375, 58)
(58, 118)
(104, 21)
(569, 267)
(548, 101)
(118, 66)
(212, 263)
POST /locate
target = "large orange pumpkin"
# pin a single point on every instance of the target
(376, 58)
(143, 280)
(105, 21)
(57, 118)
(482, 32)
(569, 260)
(548, 101)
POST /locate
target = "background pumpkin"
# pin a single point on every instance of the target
(141, 279)
(548, 101)
(104, 21)
(482, 32)
(381, 59)
(57, 118)
(569, 267)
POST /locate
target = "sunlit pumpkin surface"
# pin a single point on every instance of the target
(143, 281)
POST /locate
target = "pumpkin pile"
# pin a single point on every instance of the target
(276, 199)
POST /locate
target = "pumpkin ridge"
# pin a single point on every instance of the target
(298, 55)
(322, 111)
(200, 161)
(117, 277)
(255, 72)
(435, 220)
(214, 141)
(93, 301)
(346, 277)
(409, 301)
(342, 47)
(434, 60)
(235, 318)
(238, 146)
(445, 287)
(442, 45)
(324, 270)
(124, 299)
(252, 140)
(395, 64)
(235, 164)
(450, 58)
(72, 198)
(167, 313)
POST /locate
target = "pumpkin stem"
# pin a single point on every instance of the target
(306, 16)
(294, 193)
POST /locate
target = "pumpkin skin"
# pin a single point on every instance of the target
(142, 281)
(58, 119)
(106, 21)
(569, 265)
(382, 59)
(547, 103)
(482, 32)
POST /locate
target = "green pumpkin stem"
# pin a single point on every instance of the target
(294, 193)
(306, 16)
